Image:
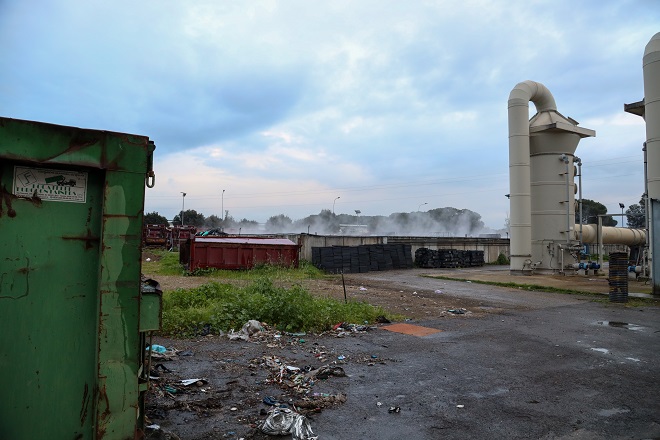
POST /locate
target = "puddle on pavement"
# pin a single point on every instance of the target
(620, 324)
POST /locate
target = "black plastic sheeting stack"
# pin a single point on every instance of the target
(448, 258)
(364, 258)
(618, 277)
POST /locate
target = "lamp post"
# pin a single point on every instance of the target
(222, 207)
(420, 206)
(333, 205)
(621, 205)
(183, 206)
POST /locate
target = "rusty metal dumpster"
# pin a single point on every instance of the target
(239, 252)
(73, 314)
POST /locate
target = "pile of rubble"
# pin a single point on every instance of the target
(250, 397)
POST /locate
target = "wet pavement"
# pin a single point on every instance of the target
(540, 366)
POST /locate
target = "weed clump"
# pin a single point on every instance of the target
(216, 307)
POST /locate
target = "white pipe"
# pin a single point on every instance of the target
(579, 164)
(519, 168)
(612, 235)
(564, 159)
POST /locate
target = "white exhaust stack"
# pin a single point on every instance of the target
(541, 180)
(520, 223)
(651, 63)
(649, 109)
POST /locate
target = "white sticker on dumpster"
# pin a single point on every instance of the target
(49, 184)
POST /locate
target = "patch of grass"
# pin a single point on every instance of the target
(529, 287)
(165, 263)
(220, 307)
(305, 270)
(632, 301)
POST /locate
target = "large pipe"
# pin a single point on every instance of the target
(612, 235)
(651, 67)
(519, 168)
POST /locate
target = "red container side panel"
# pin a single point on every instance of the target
(155, 235)
(241, 253)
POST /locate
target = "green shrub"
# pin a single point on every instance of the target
(219, 307)
(502, 259)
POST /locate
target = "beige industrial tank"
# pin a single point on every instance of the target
(541, 178)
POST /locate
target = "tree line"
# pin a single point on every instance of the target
(458, 221)
(635, 214)
(440, 219)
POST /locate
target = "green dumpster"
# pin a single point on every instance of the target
(72, 320)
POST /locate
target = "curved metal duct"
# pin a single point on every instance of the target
(540, 163)
(519, 168)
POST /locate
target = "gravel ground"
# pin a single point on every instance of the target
(516, 364)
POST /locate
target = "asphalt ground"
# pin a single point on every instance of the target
(541, 366)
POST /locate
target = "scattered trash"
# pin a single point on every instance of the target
(148, 259)
(186, 353)
(379, 404)
(341, 357)
(320, 400)
(283, 421)
(270, 400)
(187, 382)
(468, 281)
(327, 371)
(250, 328)
(170, 389)
(157, 348)
(438, 291)
(382, 320)
(460, 406)
(362, 288)
(457, 311)
(394, 409)
(156, 432)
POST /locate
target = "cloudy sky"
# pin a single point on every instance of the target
(391, 106)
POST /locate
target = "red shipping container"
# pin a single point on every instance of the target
(241, 252)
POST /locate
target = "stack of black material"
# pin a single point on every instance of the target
(347, 259)
(618, 277)
(448, 258)
(476, 258)
(426, 258)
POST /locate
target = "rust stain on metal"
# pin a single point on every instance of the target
(89, 239)
(100, 430)
(8, 198)
(85, 405)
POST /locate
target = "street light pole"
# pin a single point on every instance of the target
(183, 207)
(223, 208)
(420, 206)
(621, 205)
(333, 205)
